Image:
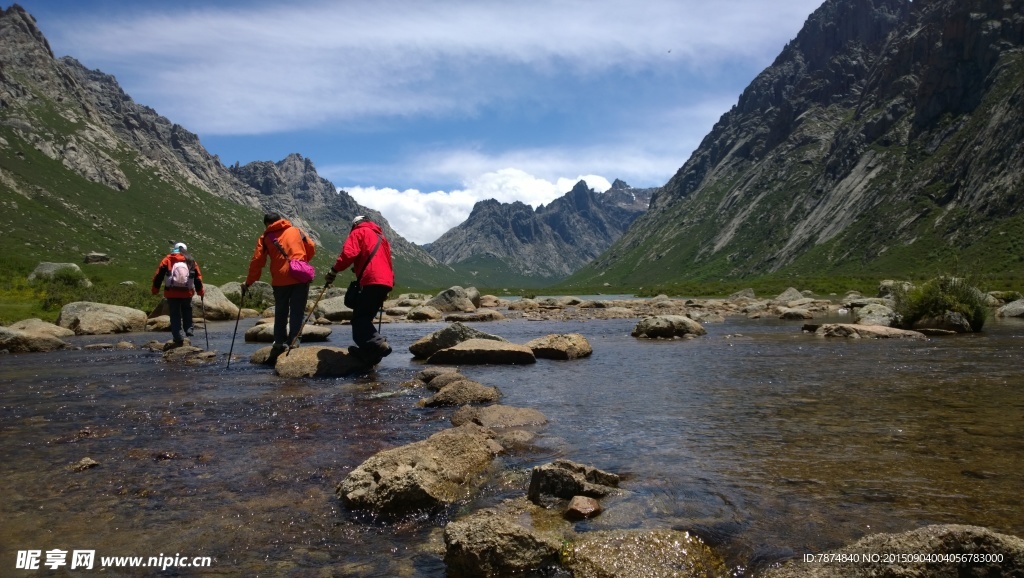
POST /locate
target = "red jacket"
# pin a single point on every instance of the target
(173, 292)
(292, 240)
(360, 243)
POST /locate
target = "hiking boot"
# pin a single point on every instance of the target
(188, 332)
(385, 349)
(276, 350)
(362, 356)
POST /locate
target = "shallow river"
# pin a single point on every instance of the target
(765, 441)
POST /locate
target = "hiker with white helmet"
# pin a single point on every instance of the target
(368, 252)
(179, 273)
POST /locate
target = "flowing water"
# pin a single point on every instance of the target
(765, 441)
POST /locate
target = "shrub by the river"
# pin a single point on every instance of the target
(938, 296)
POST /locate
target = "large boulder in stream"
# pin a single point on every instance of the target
(18, 341)
(1012, 309)
(930, 551)
(495, 542)
(561, 346)
(484, 351)
(214, 304)
(454, 299)
(312, 361)
(667, 327)
(36, 326)
(450, 336)
(421, 476)
(88, 318)
(564, 479)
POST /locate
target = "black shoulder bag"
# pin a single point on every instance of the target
(352, 293)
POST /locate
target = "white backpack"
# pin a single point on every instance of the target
(178, 277)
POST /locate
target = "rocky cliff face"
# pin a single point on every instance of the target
(83, 122)
(293, 187)
(512, 243)
(885, 138)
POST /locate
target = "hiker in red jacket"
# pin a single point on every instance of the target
(369, 254)
(181, 278)
(281, 242)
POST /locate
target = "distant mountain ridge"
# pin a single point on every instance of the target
(883, 140)
(80, 159)
(293, 187)
(513, 244)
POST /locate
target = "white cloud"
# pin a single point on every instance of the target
(274, 67)
(423, 217)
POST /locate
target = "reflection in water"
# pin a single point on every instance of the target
(766, 441)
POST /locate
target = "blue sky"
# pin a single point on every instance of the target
(421, 108)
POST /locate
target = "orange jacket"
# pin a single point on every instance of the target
(173, 292)
(294, 243)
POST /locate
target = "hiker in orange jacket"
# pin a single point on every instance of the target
(368, 252)
(180, 284)
(280, 242)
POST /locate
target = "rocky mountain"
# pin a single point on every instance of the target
(885, 139)
(85, 168)
(293, 187)
(503, 244)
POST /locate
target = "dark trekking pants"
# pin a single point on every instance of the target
(181, 316)
(289, 311)
(364, 333)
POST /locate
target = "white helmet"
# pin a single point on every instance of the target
(179, 248)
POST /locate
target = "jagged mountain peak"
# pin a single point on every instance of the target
(513, 244)
(884, 138)
(80, 121)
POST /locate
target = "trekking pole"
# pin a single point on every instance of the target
(205, 330)
(303, 326)
(241, 300)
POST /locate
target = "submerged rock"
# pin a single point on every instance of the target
(493, 543)
(866, 332)
(437, 382)
(424, 475)
(462, 392)
(641, 554)
(499, 416)
(186, 353)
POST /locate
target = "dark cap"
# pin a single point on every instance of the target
(271, 218)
